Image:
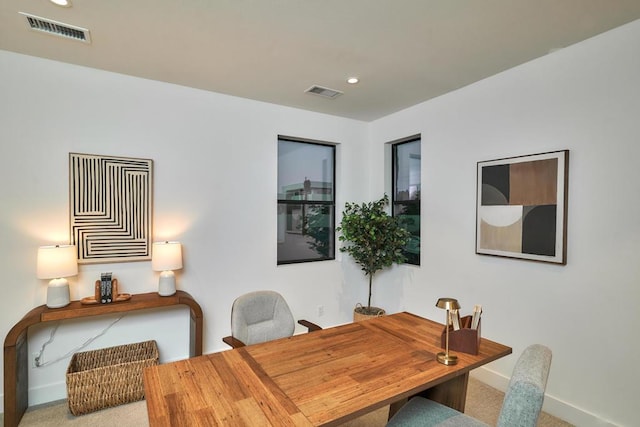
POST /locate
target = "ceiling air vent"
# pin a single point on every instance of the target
(55, 28)
(323, 91)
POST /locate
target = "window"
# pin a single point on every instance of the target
(306, 201)
(406, 192)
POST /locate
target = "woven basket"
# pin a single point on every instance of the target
(359, 316)
(99, 379)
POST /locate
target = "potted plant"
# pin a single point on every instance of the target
(374, 239)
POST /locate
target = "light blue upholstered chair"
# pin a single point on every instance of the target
(521, 406)
(261, 316)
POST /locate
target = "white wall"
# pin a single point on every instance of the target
(215, 186)
(585, 98)
(215, 160)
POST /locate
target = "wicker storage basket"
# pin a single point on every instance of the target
(359, 316)
(99, 379)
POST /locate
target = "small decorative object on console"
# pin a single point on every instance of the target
(106, 291)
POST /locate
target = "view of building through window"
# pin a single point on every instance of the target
(406, 161)
(306, 201)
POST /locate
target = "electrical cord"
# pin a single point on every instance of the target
(38, 358)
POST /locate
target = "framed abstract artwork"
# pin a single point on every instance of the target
(521, 207)
(110, 208)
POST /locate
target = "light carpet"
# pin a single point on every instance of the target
(483, 402)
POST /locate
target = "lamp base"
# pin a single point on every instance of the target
(167, 284)
(58, 293)
(447, 359)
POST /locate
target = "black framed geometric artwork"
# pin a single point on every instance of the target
(110, 208)
(521, 209)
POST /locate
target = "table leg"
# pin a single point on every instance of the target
(395, 407)
(195, 325)
(452, 393)
(16, 397)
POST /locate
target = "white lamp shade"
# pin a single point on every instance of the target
(56, 262)
(166, 256)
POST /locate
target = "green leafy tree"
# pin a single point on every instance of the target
(374, 239)
(317, 227)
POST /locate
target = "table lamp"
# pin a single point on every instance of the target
(448, 304)
(57, 263)
(167, 256)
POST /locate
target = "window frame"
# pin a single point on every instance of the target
(330, 203)
(412, 260)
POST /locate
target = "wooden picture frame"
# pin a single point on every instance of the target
(521, 207)
(110, 208)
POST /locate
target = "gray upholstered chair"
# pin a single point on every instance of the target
(261, 316)
(521, 406)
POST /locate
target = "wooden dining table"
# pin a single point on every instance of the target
(322, 378)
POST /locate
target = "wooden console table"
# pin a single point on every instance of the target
(16, 360)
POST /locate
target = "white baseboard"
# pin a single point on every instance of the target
(553, 406)
(47, 393)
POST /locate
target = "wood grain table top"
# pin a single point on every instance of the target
(322, 378)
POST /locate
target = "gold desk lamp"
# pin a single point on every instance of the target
(447, 304)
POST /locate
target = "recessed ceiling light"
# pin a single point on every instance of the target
(63, 3)
(352, 80)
